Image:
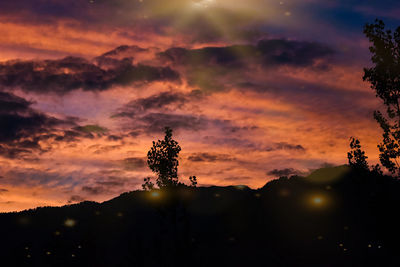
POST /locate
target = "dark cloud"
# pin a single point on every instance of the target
(72, 73)
(75, 199)
(287, 146)
(209, 157)
(251, 145)
(111, 182)
(217, 68)
(20, 176)
(2, 190)
(21, 127)
(155, 102)
(106, 185)
(88, 12)
(154, 113)
(151, 116)
(105, 149)
(284, 172)
(268, 53)
(94, 190)
(121, 52)
(233, 142)
(156, 122)
(134, 164)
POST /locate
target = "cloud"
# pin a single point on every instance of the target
(21, 127)
(3, 190)
(94, 190)
(25, 132)
(154, 113)
(284, 172)
(268, 53)
(104, 186)
(251, 145)
(209, 157)
(75, 199)
(154, 102)
(73, 73)
(217, 68)
(156, 122)
(133, 164)
(286, 146)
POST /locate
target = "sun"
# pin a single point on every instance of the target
(202, 3)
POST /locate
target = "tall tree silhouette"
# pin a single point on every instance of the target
(162, 159)
(384, 78)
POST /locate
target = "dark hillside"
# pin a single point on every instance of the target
(334, 217)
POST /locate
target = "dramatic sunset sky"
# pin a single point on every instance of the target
(253, 89)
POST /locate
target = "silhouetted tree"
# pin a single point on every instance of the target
(357, 157)
(148, 185)
(384, 78)
(162, 159)
(193, 181)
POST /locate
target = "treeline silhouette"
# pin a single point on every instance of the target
(334, 217)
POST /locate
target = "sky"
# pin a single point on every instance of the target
(253, 90)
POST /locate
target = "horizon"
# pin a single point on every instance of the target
(253, 90)
(335, 178)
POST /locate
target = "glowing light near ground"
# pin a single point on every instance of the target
(318, 200)
(155, 194)
(70, 223)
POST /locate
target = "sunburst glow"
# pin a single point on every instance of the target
(203, 3)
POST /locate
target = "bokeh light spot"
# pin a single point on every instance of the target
(155, 194)
(317, 200)
(70, 223)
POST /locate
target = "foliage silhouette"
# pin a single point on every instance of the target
(358, 160)
(162, 159)
(356, 156)
(148, 184)
(193, 181)
(384, 78)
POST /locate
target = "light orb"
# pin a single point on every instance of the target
(155, 194)
(317, 200)
(69, 222)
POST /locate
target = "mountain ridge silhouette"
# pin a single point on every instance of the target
(347, 220)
